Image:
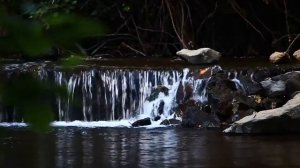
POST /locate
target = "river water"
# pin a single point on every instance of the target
(141, 147)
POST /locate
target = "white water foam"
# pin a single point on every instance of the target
(91, 124)
(13, 124)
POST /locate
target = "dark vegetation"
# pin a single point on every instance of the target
(236, 28)
(160, 28)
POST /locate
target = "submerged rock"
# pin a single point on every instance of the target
(141, 122)
(200, 56)
(285, 119)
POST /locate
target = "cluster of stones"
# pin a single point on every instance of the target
(281, 57)
(267, 99)
(226, 105)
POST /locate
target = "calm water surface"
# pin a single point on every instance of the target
(160, 147)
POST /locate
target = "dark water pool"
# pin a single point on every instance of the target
(160, 147)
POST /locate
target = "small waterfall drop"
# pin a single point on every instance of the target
(106, 94)
(97, 95)
(112, 94)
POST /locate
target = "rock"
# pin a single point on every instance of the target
(161, 107)
(285, 119)
(226, 98)
(296, 54)
(261, 74)
(220, 95)
(155, 92)
(156, 118)
(199, 56)
(180, 93)
(278, 57)
(188, 92)
(251, 87)
(170, 122)
(141, 122)
(282, 85)
(273, 88)
(193, 116)
(292, 83)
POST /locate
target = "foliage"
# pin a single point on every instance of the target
(236, 28)
(31, 97)
(36, 38)
(44, 8)
(33, 32)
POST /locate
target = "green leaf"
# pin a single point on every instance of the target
(39, 117)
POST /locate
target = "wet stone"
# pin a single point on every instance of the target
(170, 122)
(155, 92)
(141, 122)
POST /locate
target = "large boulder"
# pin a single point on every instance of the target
(285, 119)
(199, 56)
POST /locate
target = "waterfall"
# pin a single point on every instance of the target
(113, 94)
(110, 94)
(101, 94)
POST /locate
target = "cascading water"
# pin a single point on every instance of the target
(111, 94)
(104, 94)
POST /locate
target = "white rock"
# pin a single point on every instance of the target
(277, 57)
(237, 127)
(199, 56)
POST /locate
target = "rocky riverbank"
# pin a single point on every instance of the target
(227, 98)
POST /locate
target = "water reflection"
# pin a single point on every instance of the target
(163, 147)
